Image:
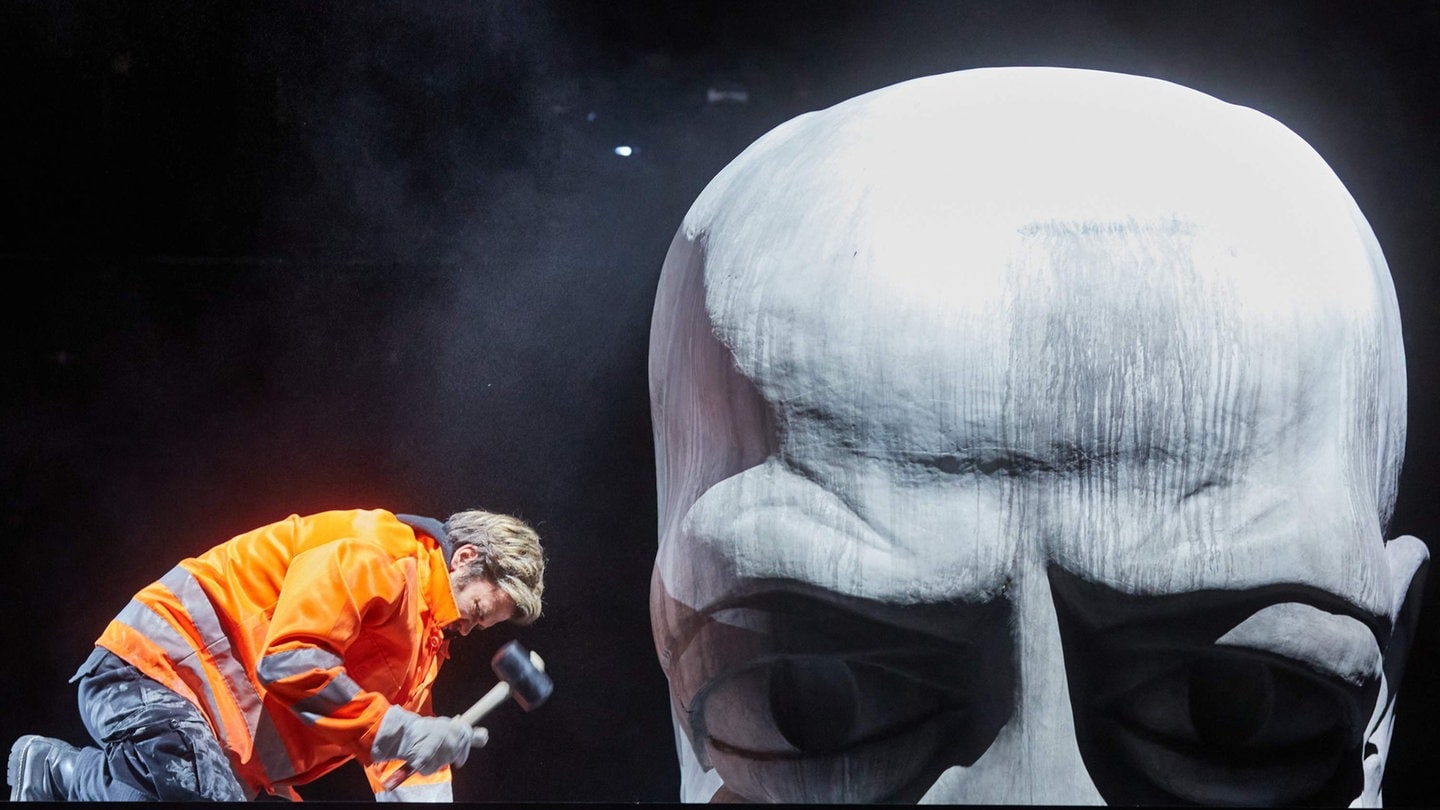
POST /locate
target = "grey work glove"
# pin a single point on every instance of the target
(427, 744)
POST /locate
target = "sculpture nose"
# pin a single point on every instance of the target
(1035, 758)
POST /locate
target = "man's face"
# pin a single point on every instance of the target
(482, 603)
(1028, 437)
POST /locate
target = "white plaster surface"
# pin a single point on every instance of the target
(945, 344)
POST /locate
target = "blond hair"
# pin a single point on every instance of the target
(509, 555)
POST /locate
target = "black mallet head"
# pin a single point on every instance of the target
(525, 673)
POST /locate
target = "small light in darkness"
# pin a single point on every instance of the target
(624, 151)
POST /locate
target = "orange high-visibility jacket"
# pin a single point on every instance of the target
(295, 638)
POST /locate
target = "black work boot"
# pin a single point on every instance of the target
(40, 769)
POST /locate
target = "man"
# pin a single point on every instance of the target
(279, 655)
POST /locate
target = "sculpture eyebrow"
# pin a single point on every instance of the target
(1335, 644)
(928, 625)
(939, 623)
(1207, 613)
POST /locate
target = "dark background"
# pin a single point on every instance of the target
(275, 257)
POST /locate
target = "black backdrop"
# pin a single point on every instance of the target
(275, 257)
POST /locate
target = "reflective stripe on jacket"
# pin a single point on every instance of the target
(295, 638)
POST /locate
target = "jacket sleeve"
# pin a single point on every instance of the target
(328, 594)
(435, 787)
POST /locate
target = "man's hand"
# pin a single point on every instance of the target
(427, 744)
(434, 742)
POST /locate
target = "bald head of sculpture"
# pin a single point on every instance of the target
(1029, 436)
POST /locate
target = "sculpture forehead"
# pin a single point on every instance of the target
(1007, 262)
(983, 232)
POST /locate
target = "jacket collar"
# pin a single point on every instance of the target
(432, 527)
(437, 585)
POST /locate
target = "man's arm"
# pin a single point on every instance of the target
(329, 592)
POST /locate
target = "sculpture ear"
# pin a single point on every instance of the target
(699, 783)
(1407, 558)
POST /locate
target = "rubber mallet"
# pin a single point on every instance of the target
(522, 676)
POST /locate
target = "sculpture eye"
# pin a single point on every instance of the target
(1167, 712)
(814, 703)
(1165, 715)
(796, 706)
(1230, 703)
(1224, 727)
(856, 728)
(1234, 706)
(793, 698)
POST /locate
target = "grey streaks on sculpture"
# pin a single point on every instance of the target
(1029, 436)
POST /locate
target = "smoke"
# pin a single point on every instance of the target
(284, 256)
(401, 124)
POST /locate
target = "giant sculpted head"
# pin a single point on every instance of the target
(1029, 436)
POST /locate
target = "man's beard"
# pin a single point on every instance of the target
(458, 581)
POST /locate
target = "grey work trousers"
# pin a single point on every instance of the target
(155, 745)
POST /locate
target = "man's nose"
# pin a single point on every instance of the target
(1035, 758)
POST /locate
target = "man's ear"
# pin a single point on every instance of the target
(463, 556)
